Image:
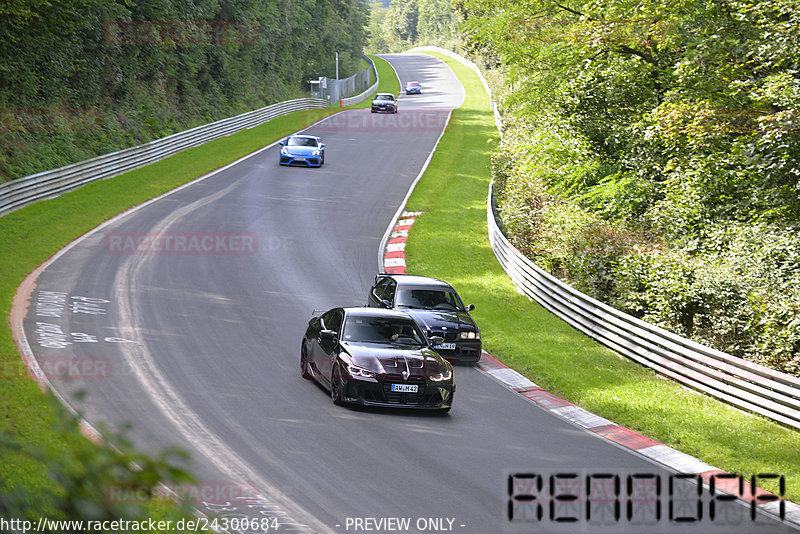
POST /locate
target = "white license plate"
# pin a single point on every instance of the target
(404, 388)
(446, 346)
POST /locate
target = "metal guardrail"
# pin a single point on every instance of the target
(363, 96)
(743, 384)
(23, 191)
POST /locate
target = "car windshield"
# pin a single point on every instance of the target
(384, 97)
(429, 299)
(302, 141)
(383, 330)
(413, 84)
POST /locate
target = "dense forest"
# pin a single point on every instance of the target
(85, 77)
(651, 157)
(404, 24)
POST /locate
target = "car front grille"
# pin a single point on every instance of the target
(427, 396)
(404, 398)
(448, 336)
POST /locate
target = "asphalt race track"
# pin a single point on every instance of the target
(196, 344)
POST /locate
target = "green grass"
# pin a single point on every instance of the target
(388, 80)
(450, 241)
(29, 236)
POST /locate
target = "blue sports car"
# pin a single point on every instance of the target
(302, 150)
(413, 88)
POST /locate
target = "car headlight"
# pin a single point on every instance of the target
(445, 375)
(315, 153)
(284, 152)
(470, 335)
(354, 370)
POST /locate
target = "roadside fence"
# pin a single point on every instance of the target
(746, 385)
(48, 184)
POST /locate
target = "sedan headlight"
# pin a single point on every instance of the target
(470, 335)
(354, 370)
(284, 151)
(441, 377)
(315, 153)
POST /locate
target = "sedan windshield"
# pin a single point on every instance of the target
(384, 97)
(384, 330)
(302, 141)
(429, 299)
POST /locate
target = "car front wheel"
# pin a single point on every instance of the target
(305, 364)
(337, 385)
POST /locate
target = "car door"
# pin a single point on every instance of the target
(327, 349)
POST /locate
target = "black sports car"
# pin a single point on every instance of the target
(376, 358)
(384, 102)
(435, 306)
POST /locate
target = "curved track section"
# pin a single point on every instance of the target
(195, 341)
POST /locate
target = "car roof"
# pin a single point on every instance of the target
(306, 136)
(363, 311)
(385, 94)
(414, 280)
(412, 83)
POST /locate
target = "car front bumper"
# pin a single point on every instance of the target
(310, 161)
(385, 109)
(467, 351)
(430, 396)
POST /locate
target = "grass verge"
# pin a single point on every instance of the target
(450, 241)
(29, 419)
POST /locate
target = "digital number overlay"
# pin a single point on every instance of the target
(629, 500)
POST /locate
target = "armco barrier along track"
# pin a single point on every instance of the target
(738, 382)
(18, 193)
(743, 384)
(47, 184)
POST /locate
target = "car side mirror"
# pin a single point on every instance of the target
(281, 142)
(322, 145)
(437, 340)
(328, 335)
(470, 307)
(386, 303)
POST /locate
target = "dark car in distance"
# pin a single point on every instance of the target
(436, 307)
(376, 357)
(385, 102)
